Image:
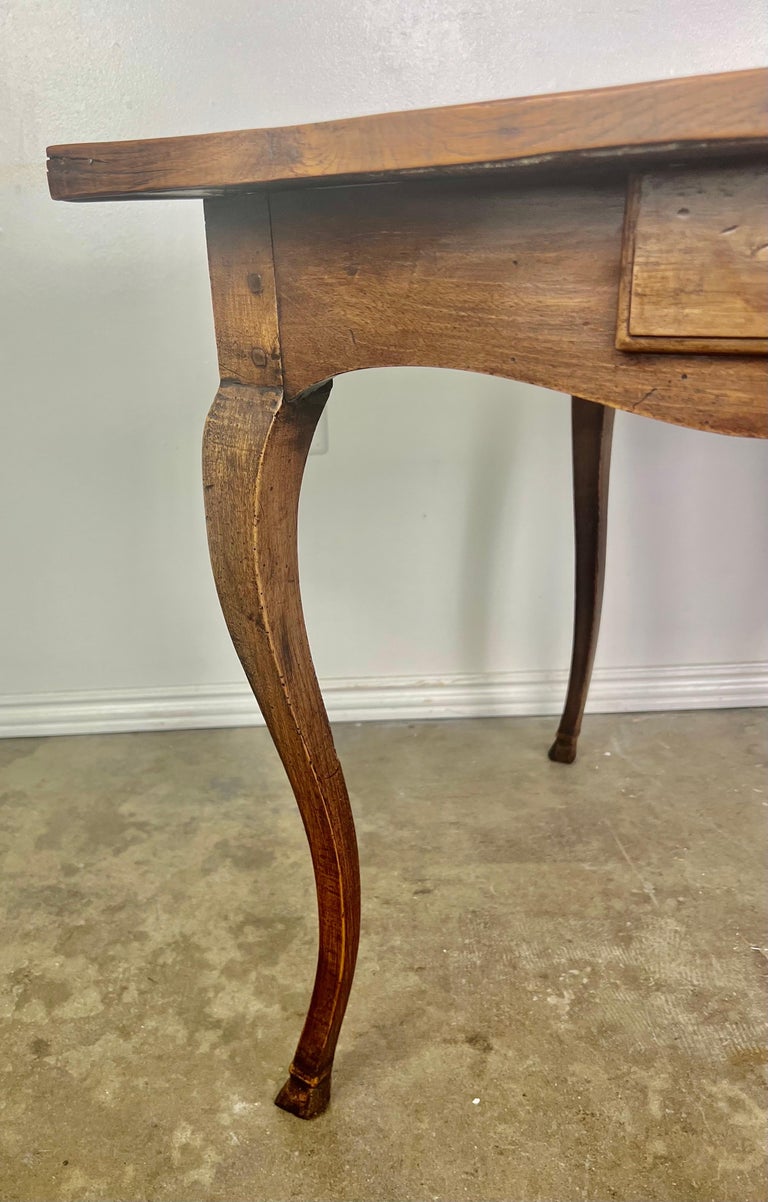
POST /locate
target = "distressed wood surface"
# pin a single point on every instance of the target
(697, 261)
(511, 279)
(666, 116)
(242, 279)
(254, 451)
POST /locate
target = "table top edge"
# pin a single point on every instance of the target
(729, 110)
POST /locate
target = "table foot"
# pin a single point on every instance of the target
(563, 750)
(303, 1100)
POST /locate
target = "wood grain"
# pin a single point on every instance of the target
(729, 110)
(242, 279)
(254, 451)
(697, 261)
(511, 279)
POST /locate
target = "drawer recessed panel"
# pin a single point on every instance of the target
(695, 269)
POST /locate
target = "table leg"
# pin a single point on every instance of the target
(592, 431)
(254, 452)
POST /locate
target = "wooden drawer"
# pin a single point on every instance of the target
(695, 262)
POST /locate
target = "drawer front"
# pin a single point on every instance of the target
(695, 262)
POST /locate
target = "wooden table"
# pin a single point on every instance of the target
(611, 244)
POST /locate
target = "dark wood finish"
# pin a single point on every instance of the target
(514, 279)
(513, 273)
(592, 434)
(695, 262)
(667, 116)
(254, 451)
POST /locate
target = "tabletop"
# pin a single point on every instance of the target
(716, 113)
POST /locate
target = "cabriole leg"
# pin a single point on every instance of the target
(592, 431)
(255, 448)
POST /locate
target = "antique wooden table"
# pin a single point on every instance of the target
(611, 244)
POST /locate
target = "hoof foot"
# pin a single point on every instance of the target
(305, 1101)
(563, 750)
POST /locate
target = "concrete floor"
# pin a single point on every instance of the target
(560, 994)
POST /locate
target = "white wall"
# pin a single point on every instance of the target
(436, 538)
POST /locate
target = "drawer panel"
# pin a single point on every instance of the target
(695, 261)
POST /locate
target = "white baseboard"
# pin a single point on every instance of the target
(614, 690)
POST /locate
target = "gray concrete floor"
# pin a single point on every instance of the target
(560, 994)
